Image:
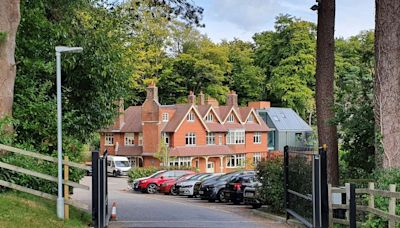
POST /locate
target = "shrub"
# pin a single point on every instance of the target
(383, 178)
(270, 173)
(139, 172)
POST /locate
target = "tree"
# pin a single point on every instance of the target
(287, 56)
(9, 21)
(387, 80)
(325, 69)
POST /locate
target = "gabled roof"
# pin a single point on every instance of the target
(133, 119)
(180, 115)
(235, 111)
(285, 119)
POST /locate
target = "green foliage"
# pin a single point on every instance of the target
(383, 178)
(354, 103)
(3, 36)
(270, 173)
(139, 172)
(287, 55)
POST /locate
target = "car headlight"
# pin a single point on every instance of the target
(143, 181)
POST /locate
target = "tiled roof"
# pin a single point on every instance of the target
(256, 127)
(223, 111)
(130, 150)
(216, 127)
(203, 109)
(244, 112)
(207, 150)
(181, 110)
(133, 119)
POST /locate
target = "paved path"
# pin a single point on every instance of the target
(144, 210)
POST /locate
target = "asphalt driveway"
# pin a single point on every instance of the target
(144, 210)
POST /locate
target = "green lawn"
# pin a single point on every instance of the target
(24, 210)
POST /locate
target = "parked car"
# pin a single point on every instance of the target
(168, 187)
(118, 166)
(135, 183)
(234, 188)
(186, 188)
(213, 189)
(197, 185)
(252, 196)
(151, 185)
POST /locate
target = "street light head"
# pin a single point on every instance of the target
(314, 7)
(68, 49)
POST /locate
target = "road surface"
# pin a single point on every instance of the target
(158, 210)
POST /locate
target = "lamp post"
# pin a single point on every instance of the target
(60, 199)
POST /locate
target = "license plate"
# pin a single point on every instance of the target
(201, 192)
(249, 194)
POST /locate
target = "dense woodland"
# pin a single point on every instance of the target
(127, 45)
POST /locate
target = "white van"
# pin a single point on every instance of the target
(118, 165)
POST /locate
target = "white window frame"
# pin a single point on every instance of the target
(257, 138)
(165, 117)
(190, 117)
(181, 161)
(210, 117)
(256, 158)
(210, 138)
(190, 139)
(109, 139)
(220, 139)
(140, 143)
(230, 118)
(129, 139)
(236, 160)
(166, 138)
(236, 137)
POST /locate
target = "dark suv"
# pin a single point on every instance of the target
(213, 189)
(234, 188)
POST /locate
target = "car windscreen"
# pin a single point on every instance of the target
(226, 176)
(156, 174)
(121, 163)
(195, 177)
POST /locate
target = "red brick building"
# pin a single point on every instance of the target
(200, 134)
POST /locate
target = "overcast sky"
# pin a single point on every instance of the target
(227, 19)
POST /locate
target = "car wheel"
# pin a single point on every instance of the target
(173, 191)
(255, 206)
(221, 196)
(115, 174)
(151, 188)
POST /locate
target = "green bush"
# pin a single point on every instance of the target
(139, 172)
(383, 178)
(270, 173)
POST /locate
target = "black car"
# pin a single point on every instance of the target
(252, 196)
(234, 188)
(213, 189)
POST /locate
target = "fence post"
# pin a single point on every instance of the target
(392, 206)
(325, 198)
(286, 176)
(66, 188)
(95, 188)
(330, 219)
(351, 204)
(371, 201)
(316, 191)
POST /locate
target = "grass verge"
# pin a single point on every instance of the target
(24, 210)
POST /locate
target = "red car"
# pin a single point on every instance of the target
(167, 187)
(151, 185)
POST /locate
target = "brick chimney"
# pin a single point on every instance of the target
(212, 101)
(191, 98)
(152, 92)
(120, 120)
(232, 99)
(201, 98)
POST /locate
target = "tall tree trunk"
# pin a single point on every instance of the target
(327, 133)
(9, 21)
(387, 79)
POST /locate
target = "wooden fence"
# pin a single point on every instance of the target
(66, 182)
(371, 193)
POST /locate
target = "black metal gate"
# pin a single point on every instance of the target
(306, 189)
(100, 215)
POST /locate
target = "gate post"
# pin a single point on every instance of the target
(324, 188)
(95, 187)
(286, 178)
(316, 191)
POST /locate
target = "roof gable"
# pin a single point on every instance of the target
(211, 109)
(234, 112)
(192, 108)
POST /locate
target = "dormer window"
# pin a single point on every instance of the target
(190, 116)
(230, 118)
(251, 119)
(165, 117)
(209, 117)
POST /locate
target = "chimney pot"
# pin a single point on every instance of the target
(191, 98)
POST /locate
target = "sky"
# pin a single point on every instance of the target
(228, 19)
